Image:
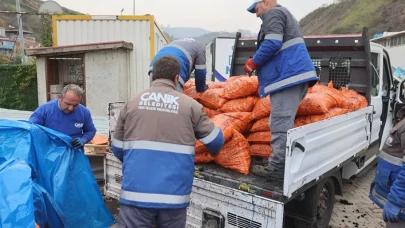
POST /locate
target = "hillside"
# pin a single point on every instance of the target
(183, 32)
(350, 16)
(30, 22)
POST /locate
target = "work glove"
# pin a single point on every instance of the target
(391, 212)
(77, 143)
(250, 66)
(202, 88)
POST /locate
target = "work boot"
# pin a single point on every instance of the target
(266, 171)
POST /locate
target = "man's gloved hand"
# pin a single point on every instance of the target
(250, 66)
(391, 212)
(200, 88)
(77, 143)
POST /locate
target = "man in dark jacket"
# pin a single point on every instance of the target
(388, 187)
(285, 70)
(155, 139)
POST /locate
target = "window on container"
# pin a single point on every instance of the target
(375, 72)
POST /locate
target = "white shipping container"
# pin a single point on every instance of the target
(143, 31)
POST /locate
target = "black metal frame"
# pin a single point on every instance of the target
(354, 47)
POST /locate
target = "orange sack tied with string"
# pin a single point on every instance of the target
(235, 155)
(211, 112)
(261, 125)
(212, 99)
(316, 104)
(240, 87)
(262, 108)
(203, 158)
(239, 105)
(354, 101)
(261, 150)
(304, 120)
(228, 122)
(262, 137)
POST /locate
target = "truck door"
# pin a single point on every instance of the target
(376, 92)
(388, 95)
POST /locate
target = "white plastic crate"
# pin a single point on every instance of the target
(112, 176)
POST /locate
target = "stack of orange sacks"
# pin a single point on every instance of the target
(235, 107)
(324, 102)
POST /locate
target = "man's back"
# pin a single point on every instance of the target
(194, 50)
(158, 134)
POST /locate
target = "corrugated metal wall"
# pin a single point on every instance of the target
(70, 32)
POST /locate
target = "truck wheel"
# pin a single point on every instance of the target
(325, 203)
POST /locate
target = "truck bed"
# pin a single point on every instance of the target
(219, 175)
(312, 151)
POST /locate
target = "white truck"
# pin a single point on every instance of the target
(218, 54)
(318, 155)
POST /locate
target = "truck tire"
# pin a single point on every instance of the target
(325, 202)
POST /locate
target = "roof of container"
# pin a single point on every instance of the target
(79, 48)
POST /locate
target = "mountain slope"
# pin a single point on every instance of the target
(182, 32)
(30, 22)
(350, 16)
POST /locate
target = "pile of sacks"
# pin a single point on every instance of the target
(235, 107)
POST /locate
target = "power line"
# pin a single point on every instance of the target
(28, 6)
(32, 4)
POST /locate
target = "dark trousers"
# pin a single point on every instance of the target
(134, 217)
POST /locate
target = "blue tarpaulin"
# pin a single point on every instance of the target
(64, 192)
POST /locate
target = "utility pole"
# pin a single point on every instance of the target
(20, 31)
(134, 7)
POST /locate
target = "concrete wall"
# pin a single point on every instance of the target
(107, 76)
(41, 79)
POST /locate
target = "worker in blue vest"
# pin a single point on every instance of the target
(285, 71)
(191, 56)
(388, 187)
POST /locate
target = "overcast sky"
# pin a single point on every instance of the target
(212, 15)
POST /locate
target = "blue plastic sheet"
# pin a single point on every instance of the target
(65, 192)
(16, 204)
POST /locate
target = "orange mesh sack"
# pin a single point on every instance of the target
(262, 137)
(261, 125)
(211, 112)
(248, 128)
(228, 124)
(203, 158)
(316, 104)
(304, 120)
(239, 105)
(335, 94)
(243, 116)
(189, 84)
(99, 140)
(240, 88)
(216, 85)
(192, 92)
(354, 101)
(261, 150)
(211, 98)
(200, 148)
(262, 108)
(235, 155)
(233, 78)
